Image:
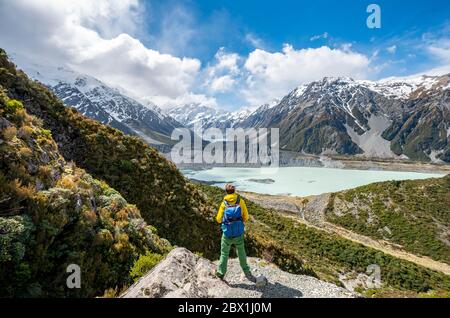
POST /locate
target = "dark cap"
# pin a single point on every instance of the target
(230, 188)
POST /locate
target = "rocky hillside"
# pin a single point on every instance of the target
(391, 119)
(413, 214)
(186, 275)
(53, 214)
(295, 247)
(387, 119)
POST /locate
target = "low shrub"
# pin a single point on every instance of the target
(144, 264)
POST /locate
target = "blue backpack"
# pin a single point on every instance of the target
(232, 223)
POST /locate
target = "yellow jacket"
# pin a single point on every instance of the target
(231, 199)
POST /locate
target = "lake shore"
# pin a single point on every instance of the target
(299, 181)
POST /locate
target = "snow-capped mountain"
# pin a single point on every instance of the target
(101, 102)
(191, 115)
(391, 118)
(394, 118)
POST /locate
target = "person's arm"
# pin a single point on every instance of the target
(220, 213)
(244, 210)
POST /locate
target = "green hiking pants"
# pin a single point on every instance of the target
(225, 251)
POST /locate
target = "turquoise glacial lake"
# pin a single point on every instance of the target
(298, 181)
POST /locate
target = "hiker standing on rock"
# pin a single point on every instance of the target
(232, 215)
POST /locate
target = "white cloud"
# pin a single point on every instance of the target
(440, 50)
(272, 75)
(319, 36)
(392, 49)
(100, 38)
(226, 62)
(90, 37)
(177, 32)
(222, 75)
(222, 83)
(437, 71)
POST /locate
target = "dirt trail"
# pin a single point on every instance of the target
(293, 207)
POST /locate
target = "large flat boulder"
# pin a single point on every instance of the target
(182, 274)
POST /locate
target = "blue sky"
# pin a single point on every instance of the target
(228, 53)
(274, 23)
(396, 49)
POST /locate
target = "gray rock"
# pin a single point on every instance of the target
(279, 284)
(180, 274)
(261, 281)
(184, 274)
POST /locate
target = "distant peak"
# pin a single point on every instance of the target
(334, 79)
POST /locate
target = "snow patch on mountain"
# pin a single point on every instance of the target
(402, 87)
(192, 115)
(394, 87)
(300, 90)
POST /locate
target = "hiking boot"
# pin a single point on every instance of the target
(249, 276)
(220, 276)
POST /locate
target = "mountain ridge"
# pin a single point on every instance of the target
(109, 105)
(371, 119)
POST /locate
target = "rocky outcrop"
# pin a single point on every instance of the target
(180, 274)
(184, 274)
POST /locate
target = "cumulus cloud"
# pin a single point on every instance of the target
(223, 74)
(225, 62)
(222, 83)
(101, 38)
(95, 37)
(272, 75)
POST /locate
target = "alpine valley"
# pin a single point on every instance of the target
(79, 190)
(398, 118)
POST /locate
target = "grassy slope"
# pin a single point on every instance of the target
(53, 214)
(297, 248)
(165, 198)
(414, 214)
